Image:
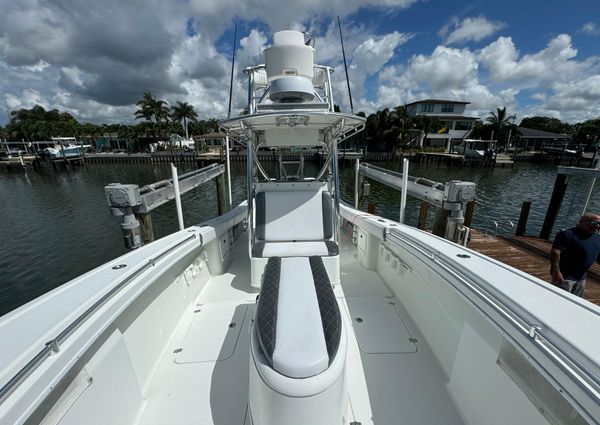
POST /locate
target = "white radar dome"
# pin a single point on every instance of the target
(289, 64)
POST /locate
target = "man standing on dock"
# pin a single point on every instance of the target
(573, 253)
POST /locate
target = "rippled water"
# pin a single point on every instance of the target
(55, 226)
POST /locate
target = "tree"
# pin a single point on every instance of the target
(401, 123)
(553, 125)
(162, 115)
(148, 108)
(500, 121)
(426, 124)
(587, 132)
(184, 112)
(38, 124)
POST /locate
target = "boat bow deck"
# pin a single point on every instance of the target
(392, 375)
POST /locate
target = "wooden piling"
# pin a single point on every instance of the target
(469, 213)
(440, 222)
(558, 193)
(522, 224)
(222, 202)
(146, 229)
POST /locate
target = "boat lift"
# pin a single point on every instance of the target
(452, 196)
(134, 203)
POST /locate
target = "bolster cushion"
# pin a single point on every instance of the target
(298, 321)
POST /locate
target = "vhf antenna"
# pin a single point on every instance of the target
(345, 66)
(232, 66)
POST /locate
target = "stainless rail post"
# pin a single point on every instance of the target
(177, 196)
(356, 181)
(228, 171)
(404, 189)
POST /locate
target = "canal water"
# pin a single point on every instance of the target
(55, 226)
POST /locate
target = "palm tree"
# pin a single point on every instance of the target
(500, 121)
(146, 107)
(426, 124)
(162, 115)
(183, 112)
(149, 108)
(402, 120)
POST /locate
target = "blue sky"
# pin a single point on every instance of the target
(95, 59)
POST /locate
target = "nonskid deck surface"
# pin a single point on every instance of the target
(392, 376)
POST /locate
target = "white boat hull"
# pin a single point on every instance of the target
(166, 339)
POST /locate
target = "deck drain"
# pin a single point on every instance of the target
(177, 350)
(391, 303)
(359, 319)
(463, 255)
(119, 266)
(232, 325)
(415, 340)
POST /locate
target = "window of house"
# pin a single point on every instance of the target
(427, 107)
(463, 125)
(447, 108)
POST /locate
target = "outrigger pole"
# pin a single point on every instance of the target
(345, 66)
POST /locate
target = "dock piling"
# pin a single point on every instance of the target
(469, 213)
(521, 225)
(558, 193)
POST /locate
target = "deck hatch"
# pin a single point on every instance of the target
(378, 327)
(210, 336)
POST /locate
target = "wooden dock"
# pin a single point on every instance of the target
(531, 255)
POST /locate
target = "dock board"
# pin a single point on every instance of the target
(531, 255)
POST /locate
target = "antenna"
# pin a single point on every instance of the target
(345, 66)
(232, 66)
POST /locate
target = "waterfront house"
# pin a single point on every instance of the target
(451, 115)
(530, 139)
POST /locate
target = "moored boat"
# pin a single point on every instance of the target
(475, 148)
(64, 147)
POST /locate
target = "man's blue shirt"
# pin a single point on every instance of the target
(578, 251)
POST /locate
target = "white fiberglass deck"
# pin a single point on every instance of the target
(392, 376)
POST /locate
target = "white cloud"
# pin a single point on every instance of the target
(104, 55)
(214, 15)
(590, 29)
(469, 29)
(370, 56)
(95, 59)
(560, 85)
(555, 62)
(445, 68)
(573, 100)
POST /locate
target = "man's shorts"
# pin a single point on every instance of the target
(576, 287)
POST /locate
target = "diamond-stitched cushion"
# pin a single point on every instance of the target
(298, 321)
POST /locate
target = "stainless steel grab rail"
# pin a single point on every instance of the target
(53, 346)
(587, 381)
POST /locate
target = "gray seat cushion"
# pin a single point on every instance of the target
(298, 321)
(298, 215)
(296, 223)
